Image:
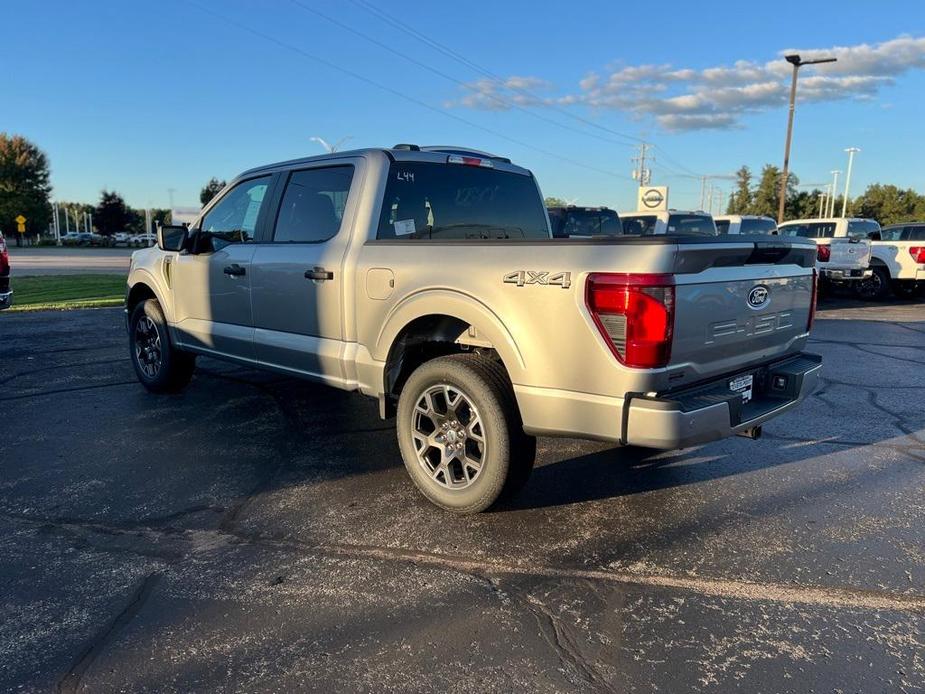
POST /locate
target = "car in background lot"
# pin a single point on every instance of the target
(428, 279)
(120, 239)
(6, 294)
(143, 240)
(898, 260)
(667, 222)
(71, 238)
(745, 224)
(843, 248)
(583, 222)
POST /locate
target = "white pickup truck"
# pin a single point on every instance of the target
(843, 249)
(664, 222)
(898, 262)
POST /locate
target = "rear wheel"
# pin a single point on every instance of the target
(159, 366)
(876, 287)
(460, 433)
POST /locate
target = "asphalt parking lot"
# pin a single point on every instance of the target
(259, 533)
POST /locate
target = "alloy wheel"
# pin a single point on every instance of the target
(448, 436)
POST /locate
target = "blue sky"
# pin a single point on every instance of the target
(141, 97)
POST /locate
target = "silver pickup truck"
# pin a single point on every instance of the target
(428, 278)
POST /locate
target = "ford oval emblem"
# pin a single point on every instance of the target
(758, 296)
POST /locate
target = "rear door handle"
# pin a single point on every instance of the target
(235, 270)
(319, 274)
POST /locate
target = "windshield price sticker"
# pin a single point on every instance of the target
(403, 227)
(743, 386)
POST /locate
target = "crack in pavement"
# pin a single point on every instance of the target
(70, 682)
(69, 390)
(788, 594)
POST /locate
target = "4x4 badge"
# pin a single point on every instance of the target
(525, 277)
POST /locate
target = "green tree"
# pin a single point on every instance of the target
(767, 194)
(111, 214)
(24, 184)
(740, 201)
(210, 190)
(888, 204)
(554, 202)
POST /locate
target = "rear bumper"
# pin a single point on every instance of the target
(843, 275)
(711, 411)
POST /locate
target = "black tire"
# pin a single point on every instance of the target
(876, 287)
(507, 454)
(171, 369)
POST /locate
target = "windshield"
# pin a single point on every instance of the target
(691, 224)
(808, 230)
(425, 200)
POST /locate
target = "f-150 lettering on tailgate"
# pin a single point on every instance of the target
(750, 325)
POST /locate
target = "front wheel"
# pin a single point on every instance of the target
(460, 433)
(159, 366)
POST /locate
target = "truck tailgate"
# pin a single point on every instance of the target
(847, 254)
(737, 306)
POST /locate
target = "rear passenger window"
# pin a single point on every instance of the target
(691, 224)
(916, 233)
(313, 205)
(756, 226)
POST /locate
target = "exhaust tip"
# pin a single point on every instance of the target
(753, 433)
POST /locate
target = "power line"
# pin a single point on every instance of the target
(497, 98)
(395, 92)
(500, 81)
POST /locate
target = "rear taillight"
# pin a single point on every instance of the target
(823, 253)
(918, 253)
(635, 315)
(812, 301)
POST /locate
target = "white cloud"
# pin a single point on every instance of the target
(684, 98)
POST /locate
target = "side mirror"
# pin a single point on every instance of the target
(875, 236)
(172, 238)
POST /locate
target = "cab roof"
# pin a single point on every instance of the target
(400, 152)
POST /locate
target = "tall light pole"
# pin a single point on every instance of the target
(844, 203)
(797, 63)
(831, 210)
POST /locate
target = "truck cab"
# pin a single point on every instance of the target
(663, 222)
(745, 224)
(583, 222)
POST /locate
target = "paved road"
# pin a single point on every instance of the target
(259, 533)
(69, 261)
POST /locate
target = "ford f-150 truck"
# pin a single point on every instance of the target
(898, 261)
(844, 251)
(428, 278)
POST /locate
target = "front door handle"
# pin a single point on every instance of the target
(235, 270)
(319, 274)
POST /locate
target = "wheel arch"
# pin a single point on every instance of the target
(437, 323)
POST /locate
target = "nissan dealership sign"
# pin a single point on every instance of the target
(652, 198)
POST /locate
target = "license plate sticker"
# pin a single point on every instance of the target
(743, 386)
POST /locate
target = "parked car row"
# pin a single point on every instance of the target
(851, 252)
(120, 239)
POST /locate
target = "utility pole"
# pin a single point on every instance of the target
(844, 203)
(640, 172)
(797, 63)
(834, 173)
(170, 192)
(821, 201)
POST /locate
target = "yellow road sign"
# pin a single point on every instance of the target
(21, 228)
(20, 220)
